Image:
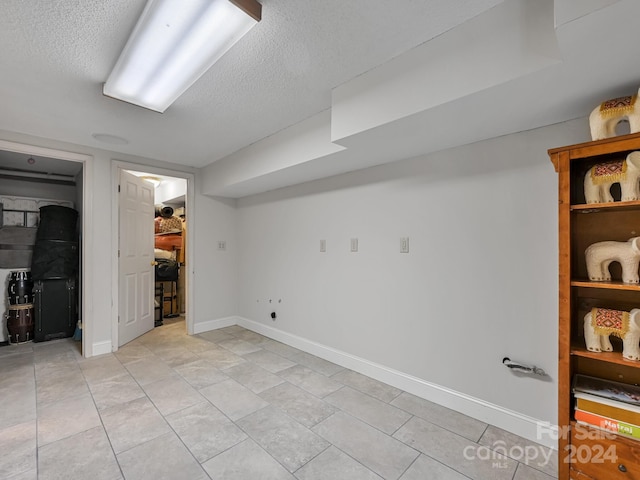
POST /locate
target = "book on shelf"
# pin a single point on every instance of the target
(624, 393)
(608, 424)
(623, 412)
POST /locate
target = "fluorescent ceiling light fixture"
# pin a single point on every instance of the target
(173, 44)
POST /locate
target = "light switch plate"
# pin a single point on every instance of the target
(222, 244)
(404, 245)
(323, 245)
(354, 244)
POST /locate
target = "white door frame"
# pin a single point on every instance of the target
(86, 227)
(116, 166)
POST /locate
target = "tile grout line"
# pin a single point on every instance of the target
(392, 435)
(410, 465)
(310, 460)
(258, 443)
(360, 463)
(159, 413)
(508, 457)
(249, 436)
(254, 363)
(378, 430)
(104, 429)
(411, 415)
(375, 398)
(164, 417)
(230, 420)
(35, 388)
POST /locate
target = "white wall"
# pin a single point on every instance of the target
(216, 271)
(26, 188)
(479, 283)
(169, 190)
(213, 275)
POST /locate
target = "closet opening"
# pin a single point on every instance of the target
(42, 238)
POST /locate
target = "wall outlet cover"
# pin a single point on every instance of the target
(404, 245)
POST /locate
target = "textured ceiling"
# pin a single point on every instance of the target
(56, 54)
(321, 87)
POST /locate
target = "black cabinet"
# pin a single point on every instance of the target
(55, 305)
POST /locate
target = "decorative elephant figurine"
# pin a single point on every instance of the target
(600, 255)
(600, 177)
(599, 323)
(606, 116)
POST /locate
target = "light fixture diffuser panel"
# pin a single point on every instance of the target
(172, 45)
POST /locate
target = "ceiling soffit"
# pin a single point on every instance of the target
(512, 68)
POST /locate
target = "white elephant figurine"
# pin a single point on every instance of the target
(606, 116)
(599, 323)
(600, 255)
(600, 177)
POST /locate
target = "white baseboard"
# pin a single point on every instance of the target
(201, 327)
(100, 348)
(504, 418)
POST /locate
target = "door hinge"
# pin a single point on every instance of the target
(118, 253)
(118, 188)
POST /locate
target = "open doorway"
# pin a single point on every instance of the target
(30, 178)
(169, 226)
(170, 233)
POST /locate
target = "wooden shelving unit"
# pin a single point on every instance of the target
(580, 225)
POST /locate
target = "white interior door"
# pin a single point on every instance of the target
(136, 258)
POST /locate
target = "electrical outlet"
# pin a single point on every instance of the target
(222, 245)
(404, 245)
(354, 244)
(323, 245)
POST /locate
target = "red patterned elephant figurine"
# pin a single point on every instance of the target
(606, 116)
(600, 177)
(599, 323)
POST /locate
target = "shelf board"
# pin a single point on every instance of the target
(610, 206)
(634, 287)
(609, 357)
(600, 147)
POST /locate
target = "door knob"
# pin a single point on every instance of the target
(154, 263)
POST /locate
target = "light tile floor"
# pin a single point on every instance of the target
(230, 404)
